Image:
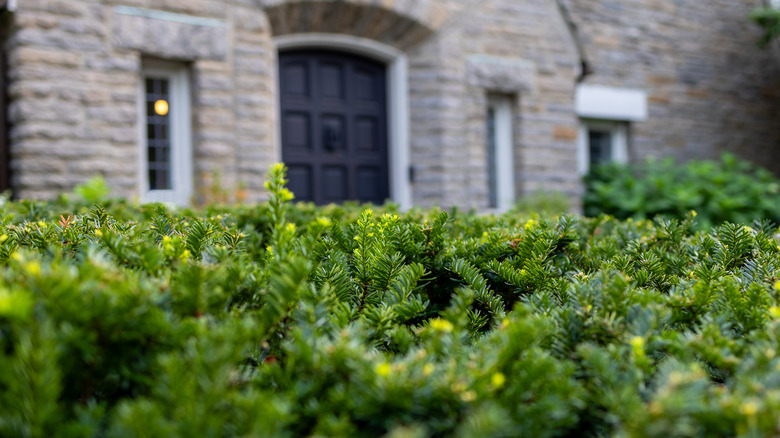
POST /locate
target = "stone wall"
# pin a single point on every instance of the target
(73, 104)
(517, 48)
(75, 70)
(76, 65)
(5, 26)
(710, 89)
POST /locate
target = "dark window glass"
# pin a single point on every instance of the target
(491, 158)
(157, 127)
(600, 145)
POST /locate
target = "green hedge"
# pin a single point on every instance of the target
(278, 320)
(729, 190)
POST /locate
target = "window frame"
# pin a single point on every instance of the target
(180, 132)
(618, 131)
(503, 180)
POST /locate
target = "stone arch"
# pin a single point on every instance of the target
(400, 24)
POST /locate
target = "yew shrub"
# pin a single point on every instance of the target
(292, 320)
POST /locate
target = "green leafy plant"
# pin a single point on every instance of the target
(94, 191)
(719, 191)
(769, 19)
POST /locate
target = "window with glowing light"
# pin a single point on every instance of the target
(165, 133)
(158, 141)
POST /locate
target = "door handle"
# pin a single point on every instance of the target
(330, 138)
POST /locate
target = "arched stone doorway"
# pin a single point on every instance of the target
(396, 101)
(380, 33)
(333, 116)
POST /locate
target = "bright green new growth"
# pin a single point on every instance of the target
(292, 320)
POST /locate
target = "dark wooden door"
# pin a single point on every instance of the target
(334, 126)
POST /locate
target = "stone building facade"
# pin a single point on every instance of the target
(477, 102)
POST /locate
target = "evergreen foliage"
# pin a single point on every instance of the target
(292, 320)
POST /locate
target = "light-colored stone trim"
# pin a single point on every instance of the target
(169, 35)
(398, 99)
(611, 103)
(500, 74)
(168, 16)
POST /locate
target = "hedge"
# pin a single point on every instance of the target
(290, 320)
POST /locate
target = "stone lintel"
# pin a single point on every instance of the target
(500, 74)
(169, 35)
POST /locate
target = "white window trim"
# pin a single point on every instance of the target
(180, 132)
(397, 101)
(610, 103)
(504, 153)
(619, 132)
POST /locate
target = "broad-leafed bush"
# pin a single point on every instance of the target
(769, 20)
(280, 320)
(729, 190)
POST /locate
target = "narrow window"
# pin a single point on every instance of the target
(491, 158)
(601, 142)
(600, 146)
(500, 167)
(165, 133)
(158, 139)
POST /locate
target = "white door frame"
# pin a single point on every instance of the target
(397, 98)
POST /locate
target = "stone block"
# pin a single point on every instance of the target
(114, 114)
(167, 35)
(501, 74)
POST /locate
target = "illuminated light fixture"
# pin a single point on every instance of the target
(161, 107)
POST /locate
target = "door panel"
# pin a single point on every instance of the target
(367, 133)
(300, 177)
(368, 179)
(334, 126)
(297, 79)
(297, 126)
(332, 80)
(334, 183)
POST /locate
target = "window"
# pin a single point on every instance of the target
(601, 142)
(500, 168)
(165, 134)
(605, 113)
